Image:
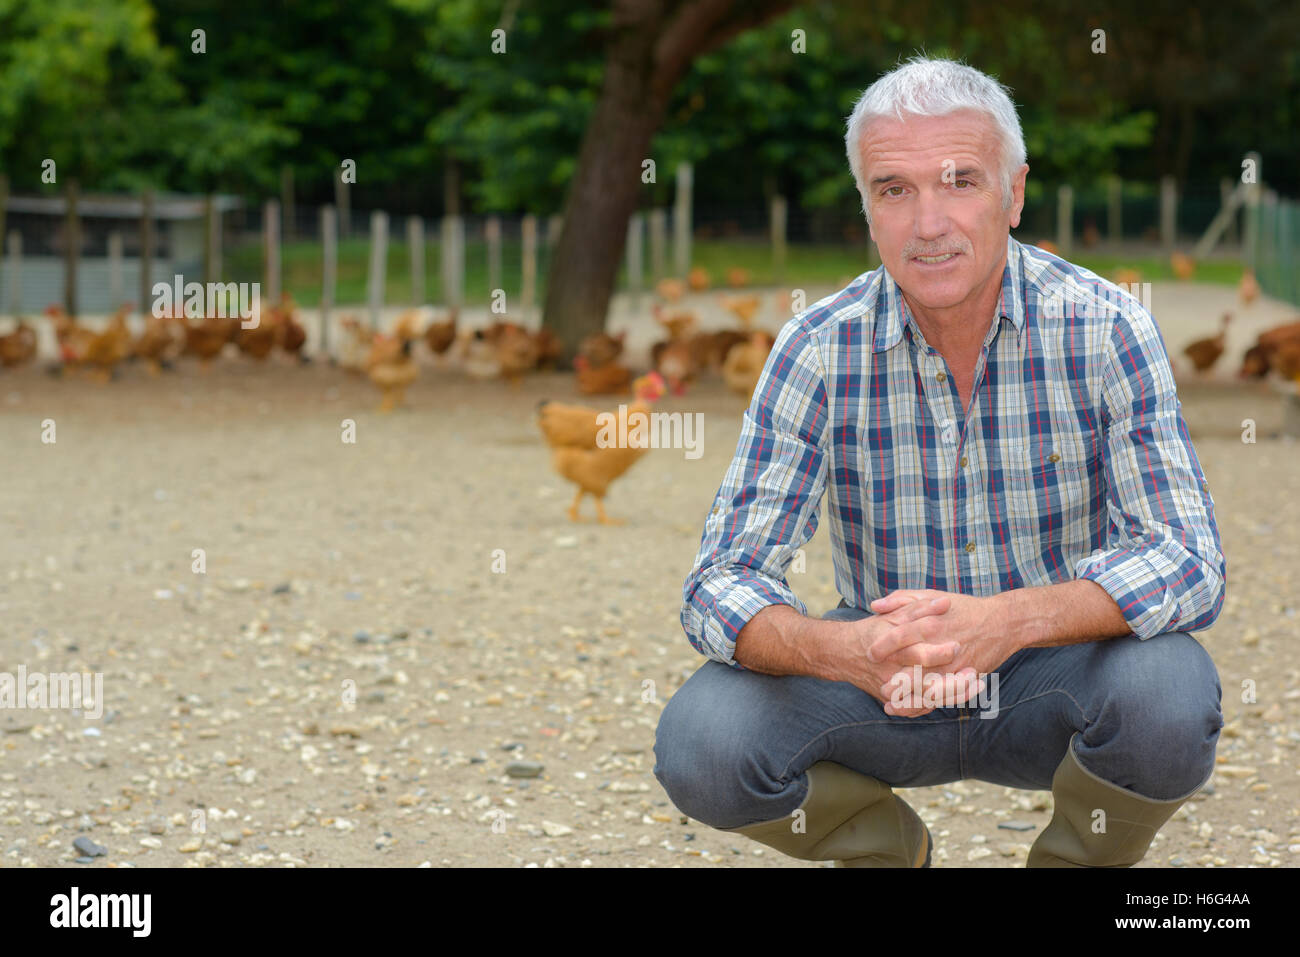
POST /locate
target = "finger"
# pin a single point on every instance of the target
(897, 599)
(901, 636)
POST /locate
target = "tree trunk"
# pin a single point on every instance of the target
(649, 49)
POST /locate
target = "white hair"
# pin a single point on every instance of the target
(935, 87)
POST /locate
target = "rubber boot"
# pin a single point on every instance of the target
(849, 818)
(1079, 836)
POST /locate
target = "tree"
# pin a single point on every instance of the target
(649, 46)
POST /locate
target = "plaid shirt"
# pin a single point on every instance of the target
(1073, 461)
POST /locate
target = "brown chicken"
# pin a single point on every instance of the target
(161, 343)
(679, 325)
(206, 338)
(602, 348)
(709, 349)
(699, 279)
(1047, 246)
(1126, 277)
(18, 347)
(670, 289)
(590, 456)
(1184, 266)
(391, 366)
(744, 308)
(738, 278)
(99, 352)
(1258, 360)
(1204, 353)
(258, 341)
(608, 379)
(674, 360)
(518, 352)
(355, 345)
(441, 334)
(744, 363)
(289, 334)
(1285, 360)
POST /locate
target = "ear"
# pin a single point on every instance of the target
(1018, 194)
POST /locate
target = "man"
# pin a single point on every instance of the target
(1013, 496)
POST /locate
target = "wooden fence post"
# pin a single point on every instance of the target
(415, 245)
(1065, 218)
(378, 265)
(658, 243)
(528, 240)
(777, 216)
(4, 209)
(72, 251)
(635, 257)
(329, 272)
(146, 251)
(492, 234)
(682, 220)
(271, 240)
(453, 259)
(116, 289)
(15, 272)
(1168, 212)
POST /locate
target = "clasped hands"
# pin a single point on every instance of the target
(954, 638)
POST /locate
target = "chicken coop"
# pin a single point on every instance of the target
(110, 236)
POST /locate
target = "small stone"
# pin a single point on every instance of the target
(524, 769)
(89, 848)
(281, 589)
(150, 842)
(551, 829)
(361, 637)
(85, 860)
(1236, 770)
(1015, 826)
(978, 852)
(231, 837)
(189, 847)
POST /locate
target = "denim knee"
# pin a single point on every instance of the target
(708, 752)
(1160, 713)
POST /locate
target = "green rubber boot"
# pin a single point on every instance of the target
(1096, 823)
(848, 818)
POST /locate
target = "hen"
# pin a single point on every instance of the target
(578, 453)
(744, 363)
(161, 343)
(1204, 353)
(608, 379)
(19, 346)
(391, 366)
(441, 335)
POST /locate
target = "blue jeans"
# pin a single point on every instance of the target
(732, 746)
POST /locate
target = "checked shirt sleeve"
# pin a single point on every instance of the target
(767, 506)
(1165, 569)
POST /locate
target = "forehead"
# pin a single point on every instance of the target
(966, 136)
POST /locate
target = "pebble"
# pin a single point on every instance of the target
(1016, 826)
(85, 860)
(978, 852)
(190, 846)
(281, 589)
(231, 837)
(524, 769)
(89, 848)
(552, 829)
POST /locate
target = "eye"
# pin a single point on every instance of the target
(889, 190)
(966, 181)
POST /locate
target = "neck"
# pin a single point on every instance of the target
(960, 328)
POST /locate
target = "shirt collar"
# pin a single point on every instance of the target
(891, 309)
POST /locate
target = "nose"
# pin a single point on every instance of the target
(931, 217)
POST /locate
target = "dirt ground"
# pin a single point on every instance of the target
(365, 572)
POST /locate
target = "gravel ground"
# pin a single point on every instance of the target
(351, 679)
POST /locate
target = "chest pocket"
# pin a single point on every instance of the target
(1050, 486)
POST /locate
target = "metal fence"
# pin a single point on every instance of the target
(1277, 247)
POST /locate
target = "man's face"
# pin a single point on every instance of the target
(934, 190)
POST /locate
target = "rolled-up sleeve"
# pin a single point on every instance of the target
(1165, 567)
(767, 506)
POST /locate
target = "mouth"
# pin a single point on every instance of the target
(939, 260)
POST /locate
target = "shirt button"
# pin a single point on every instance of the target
(1053, 457)
(970, 547)
(963, 461)
(940, 377)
